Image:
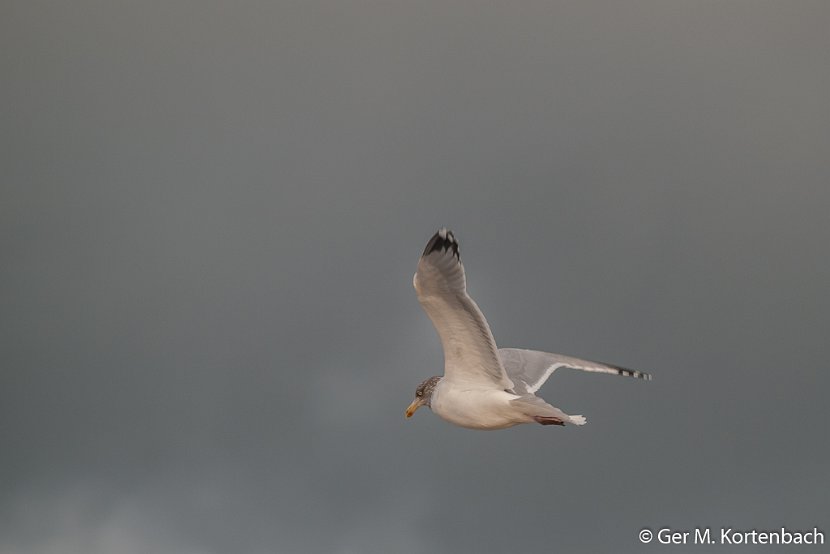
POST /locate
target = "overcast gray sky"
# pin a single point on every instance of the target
(210, 217)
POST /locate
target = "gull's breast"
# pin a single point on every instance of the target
(475, 408)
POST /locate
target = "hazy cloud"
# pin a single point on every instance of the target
(210, 218)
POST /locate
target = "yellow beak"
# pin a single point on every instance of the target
(412, 407)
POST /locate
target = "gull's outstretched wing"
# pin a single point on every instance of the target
(529, 369)
(470, 354)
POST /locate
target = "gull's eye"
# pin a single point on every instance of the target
(419, 393)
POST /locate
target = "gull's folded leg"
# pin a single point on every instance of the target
(536, 408)
(547, 420)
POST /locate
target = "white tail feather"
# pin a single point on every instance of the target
(577, 419)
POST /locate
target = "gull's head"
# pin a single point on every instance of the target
(423, 395)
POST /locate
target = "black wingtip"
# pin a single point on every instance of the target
(625, 372)
(442, 240)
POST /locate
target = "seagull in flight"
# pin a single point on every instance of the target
(483, 387)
